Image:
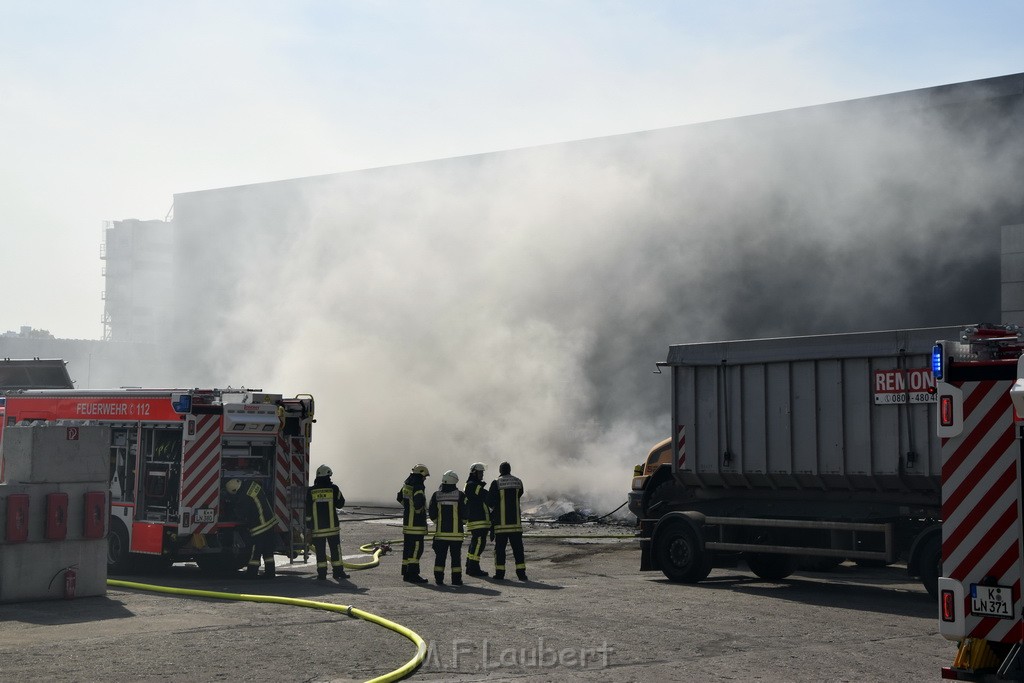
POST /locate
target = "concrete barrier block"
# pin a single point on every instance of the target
(35, 571)
(66, 453)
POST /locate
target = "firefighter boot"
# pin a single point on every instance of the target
(499, 575)
(321, 575)
(340, 574)
(456, 577)
(521, 573)
(473, 568)
(269, 571)
(413, 578)
(439, 578)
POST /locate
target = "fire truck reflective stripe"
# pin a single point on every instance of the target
(988, 410)
(994, 628)
(282, 468)
(965, 517)
(979, 508)
(298, 451)
(989, 547)
(201, 469)
(298, 470)
(204, 467)
(200, 462)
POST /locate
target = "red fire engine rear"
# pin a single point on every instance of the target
(171, 452)
(979, 386)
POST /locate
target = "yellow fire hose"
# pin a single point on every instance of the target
(396, 675)
(376, 549)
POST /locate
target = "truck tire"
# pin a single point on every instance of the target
(930, 564)
(680, 555)
(771, 566)
(119, 559)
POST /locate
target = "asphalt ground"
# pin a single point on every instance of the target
(587, 614)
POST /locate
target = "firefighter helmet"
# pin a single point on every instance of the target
(421, 469)
(477, 467)
(449, 477)
(233, 485)
(324, 471)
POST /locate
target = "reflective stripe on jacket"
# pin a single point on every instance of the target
(414, 505)
(323, 501)
(262, 517)
(448, 510)
(503, 498)
(478, 516)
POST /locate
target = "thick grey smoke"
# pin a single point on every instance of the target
(511, 306)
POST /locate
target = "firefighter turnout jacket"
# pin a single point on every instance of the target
(414, 505)
(255, 511)
(448, 510)
(478, 515)
(323, 500)
(503, 499)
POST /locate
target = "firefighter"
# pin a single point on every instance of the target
(448, 511)
(478, 518)
(323, 501)
(255, 513)
(506, 519)
(414, 522)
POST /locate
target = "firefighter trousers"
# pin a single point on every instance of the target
(262, 547)
(477, 543)
(516, 541)
(320, 546)
(442, 549)
(412, 550)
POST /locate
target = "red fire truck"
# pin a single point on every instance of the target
(980, 401)
(171, 452)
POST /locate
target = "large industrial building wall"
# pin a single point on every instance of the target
(520, 298)
(138, 272)
(840, 217)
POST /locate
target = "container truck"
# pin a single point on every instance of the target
(793, 450)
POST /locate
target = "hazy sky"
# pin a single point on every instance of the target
(107, 109)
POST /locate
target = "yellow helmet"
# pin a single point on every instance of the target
(233, 485)
(421, 469)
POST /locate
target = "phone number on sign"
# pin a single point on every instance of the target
(915, 397)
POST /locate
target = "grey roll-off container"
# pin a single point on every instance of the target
(794, 448)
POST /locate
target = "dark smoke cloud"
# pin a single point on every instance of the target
(511, 306)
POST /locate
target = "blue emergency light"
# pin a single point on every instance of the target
(937, 361)
(181, 403)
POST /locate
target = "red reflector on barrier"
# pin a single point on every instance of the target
(17, 518)
(948, 606)
(95, 520)
(56, 528)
